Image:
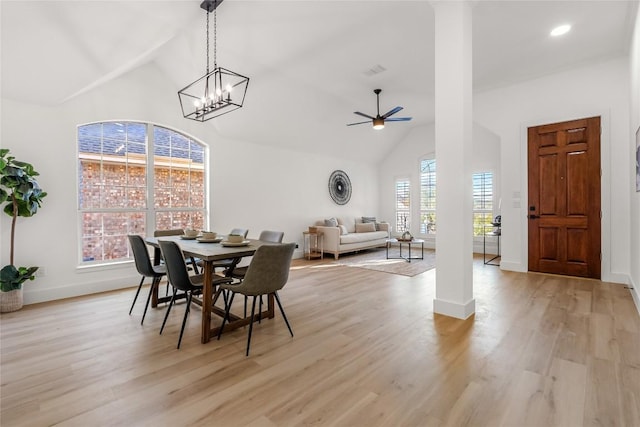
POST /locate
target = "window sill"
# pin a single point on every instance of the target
(104, 266)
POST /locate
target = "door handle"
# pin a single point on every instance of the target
(533, 217)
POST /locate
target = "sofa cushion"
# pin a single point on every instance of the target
(331, 222)
(349, 223)
(365, 227)
(382, 226)
(343, 230)
(362, 237)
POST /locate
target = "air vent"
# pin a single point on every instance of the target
(376, 69)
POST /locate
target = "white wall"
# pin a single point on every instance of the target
(250, 185)
(597, 90)
(634, 69)
(500, 132)
(287, 190)
(404, 162)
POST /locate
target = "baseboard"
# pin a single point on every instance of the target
(512, 266)
(32, 295)
(635, 294)
(616, 278)
(454, 309)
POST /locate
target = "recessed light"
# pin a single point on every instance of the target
(560, 30)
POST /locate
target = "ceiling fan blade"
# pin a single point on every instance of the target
(363, 115)
(399, 119)
(391, 112)
(359, 123)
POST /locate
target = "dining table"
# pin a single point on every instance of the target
(210, 252)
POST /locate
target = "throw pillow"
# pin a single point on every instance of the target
(331, 222)
(378, 225)
(343, 230)
(365, 227)
(368, 219)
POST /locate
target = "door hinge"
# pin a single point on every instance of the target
(600, 214)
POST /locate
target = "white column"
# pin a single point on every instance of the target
(453, 126)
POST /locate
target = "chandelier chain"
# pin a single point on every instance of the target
(215, 37)
(207, 42)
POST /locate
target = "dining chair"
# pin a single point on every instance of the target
(266, 275)
(145, 268)
(181, 280)
(191, 262)
(238, 273)
(241, 231)
(266, 236)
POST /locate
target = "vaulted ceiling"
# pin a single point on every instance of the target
(310, 62)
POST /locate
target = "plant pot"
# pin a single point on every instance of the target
(11, 301)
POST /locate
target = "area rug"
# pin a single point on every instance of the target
(376, 259)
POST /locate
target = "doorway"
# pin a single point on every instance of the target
(564, 212)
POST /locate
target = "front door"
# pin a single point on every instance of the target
(564, 198)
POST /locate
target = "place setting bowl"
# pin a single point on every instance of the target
(209, 237)
(189, 234)
(235, 240)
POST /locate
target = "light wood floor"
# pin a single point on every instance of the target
(368, 351)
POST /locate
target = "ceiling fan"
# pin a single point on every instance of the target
(378, 120)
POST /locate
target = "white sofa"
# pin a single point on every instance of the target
(349, 235)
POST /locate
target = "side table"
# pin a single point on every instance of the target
(400, 242)
(313, 245)
(495, 232)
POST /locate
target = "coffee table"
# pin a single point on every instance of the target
(409, 243)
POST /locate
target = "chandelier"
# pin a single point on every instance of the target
(219, 91)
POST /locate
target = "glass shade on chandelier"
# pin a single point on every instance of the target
(219, 92)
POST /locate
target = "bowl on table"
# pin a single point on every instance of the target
(235, 238)
(188, 232)
(209, 235)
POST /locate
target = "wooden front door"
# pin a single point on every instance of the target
(564, 198)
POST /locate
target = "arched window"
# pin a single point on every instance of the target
(124, 190)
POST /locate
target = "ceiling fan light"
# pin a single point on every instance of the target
(560, 30)
(378, 123)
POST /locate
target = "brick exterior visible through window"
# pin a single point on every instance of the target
(113, 185)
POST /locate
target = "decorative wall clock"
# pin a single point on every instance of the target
(340, 187)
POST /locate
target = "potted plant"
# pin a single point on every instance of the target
(22, 196)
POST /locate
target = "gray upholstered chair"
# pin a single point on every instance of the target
(191, 262)
(241, 231)
(145, 268)
(271, 236)
(181, 280)
(265, 236)
(266, 275)
(239, 272)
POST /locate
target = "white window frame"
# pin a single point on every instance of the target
(427, 228)
(150, 210)
(486, 202)
(402, 214)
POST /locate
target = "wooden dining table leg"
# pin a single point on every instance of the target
(154, 292)
(207, 301)
(270, 307)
